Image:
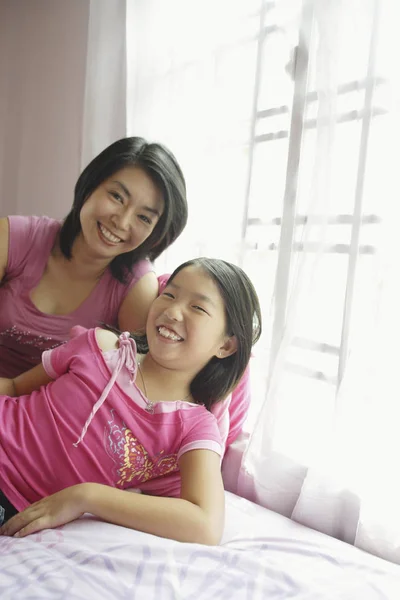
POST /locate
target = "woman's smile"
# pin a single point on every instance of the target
(107, 236)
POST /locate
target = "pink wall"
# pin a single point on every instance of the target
(43, 47)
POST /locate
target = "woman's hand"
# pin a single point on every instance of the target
(50, 512)
(25, 383)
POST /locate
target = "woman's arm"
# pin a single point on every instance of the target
(197, 517)
(132, 315)
(4, 235)
(37, 376)
(25, 383)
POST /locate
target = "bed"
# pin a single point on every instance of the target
(262, 555)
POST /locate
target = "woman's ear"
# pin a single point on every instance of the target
(228, 348)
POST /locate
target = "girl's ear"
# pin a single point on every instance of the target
(228, 348)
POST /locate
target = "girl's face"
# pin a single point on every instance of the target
(186, 325)
(121, 213)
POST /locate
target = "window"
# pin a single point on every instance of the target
(283, 179)
(234, 94)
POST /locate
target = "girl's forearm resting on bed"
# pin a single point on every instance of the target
(173, 518)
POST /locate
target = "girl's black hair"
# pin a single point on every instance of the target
(164, 171)
(243, 320)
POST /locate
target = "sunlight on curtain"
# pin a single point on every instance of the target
(104, 115)
(199, 91)
(191, 81)
(325, 450)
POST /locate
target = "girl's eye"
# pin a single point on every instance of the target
(200, 308)
(168, 294)
(145, 219)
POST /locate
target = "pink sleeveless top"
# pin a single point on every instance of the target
(25, 332)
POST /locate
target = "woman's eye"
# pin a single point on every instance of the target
(117, 196)
(145, 219)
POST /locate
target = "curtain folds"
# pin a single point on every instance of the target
(327, 454)
(105, 91)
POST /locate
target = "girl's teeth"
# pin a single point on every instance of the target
(168, 334)
(109, 236)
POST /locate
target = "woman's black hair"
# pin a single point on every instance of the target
(243, 320)
(164, 171)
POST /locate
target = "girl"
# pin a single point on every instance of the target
(103, 419)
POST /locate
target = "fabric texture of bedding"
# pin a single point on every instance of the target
(262, 555)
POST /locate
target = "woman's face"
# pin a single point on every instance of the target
(121, 213)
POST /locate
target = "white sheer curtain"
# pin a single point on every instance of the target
(284, 116)
(325, 450)
(191, 74)
(105, 93)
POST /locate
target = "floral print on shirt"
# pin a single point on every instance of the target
(134, 464)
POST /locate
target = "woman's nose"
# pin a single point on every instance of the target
(124, 219)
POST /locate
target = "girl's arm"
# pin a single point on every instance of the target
(25, 383)
(197, 517)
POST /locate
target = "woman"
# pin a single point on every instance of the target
(129, 206)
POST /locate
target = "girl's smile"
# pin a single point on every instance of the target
(169, 335)
(186, 323)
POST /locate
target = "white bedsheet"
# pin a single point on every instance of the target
(263, 556)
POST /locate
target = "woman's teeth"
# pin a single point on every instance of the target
(108, 235)
(167, 333)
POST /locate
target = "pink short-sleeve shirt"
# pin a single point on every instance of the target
(124, 446)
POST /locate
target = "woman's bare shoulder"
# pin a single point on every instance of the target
(4, 235)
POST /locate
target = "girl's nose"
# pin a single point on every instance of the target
(174, 313)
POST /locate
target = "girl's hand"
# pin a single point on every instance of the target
(50, 512)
